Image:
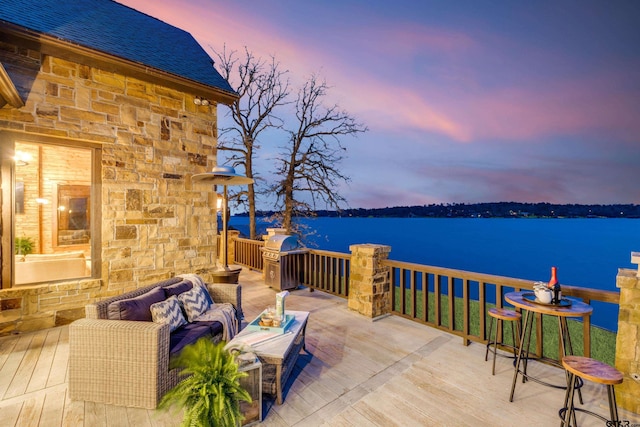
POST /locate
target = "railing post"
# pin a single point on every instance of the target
(628, 338)
(370, 281)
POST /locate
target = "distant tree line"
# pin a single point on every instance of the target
(487, 210)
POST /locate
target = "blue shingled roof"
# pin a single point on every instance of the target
(115, 29)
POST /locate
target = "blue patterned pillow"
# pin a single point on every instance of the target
(168, 312)
(194, 302)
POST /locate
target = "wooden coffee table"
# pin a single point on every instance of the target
(278, 354)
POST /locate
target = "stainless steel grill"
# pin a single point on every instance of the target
(282, 258)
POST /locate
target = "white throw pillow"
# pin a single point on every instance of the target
(168, 312)
(194, 302)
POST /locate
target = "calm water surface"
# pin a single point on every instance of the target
(587, 252)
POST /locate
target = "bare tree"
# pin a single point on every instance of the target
(309, 164)
(263, 87)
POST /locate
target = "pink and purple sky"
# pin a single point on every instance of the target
(466, 101)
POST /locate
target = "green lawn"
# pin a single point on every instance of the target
(603, 342)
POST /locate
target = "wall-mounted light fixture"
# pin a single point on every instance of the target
(219, 202)
(22, 159)
(201, 101)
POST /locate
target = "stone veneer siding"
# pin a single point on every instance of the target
(370, 281)
(154, 223)
(628, 338)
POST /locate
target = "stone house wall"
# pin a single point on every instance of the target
(151, 139)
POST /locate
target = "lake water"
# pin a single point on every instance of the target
(587, 252)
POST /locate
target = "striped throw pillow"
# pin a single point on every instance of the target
(194, 302)
(168, 312)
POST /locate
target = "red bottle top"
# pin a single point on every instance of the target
(554, 277)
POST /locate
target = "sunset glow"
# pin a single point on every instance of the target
(465, 101)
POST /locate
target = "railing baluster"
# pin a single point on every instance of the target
(329, 272)
(482, 305)
(452, 300)
(586, 332)
(436, 300)
(414, 279)
(465, 312)
(425, 296)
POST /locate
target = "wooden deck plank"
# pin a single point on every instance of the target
(7, 345)
(60, 360)
(357, 372)
(9, 414)
(116, 415)
(31, 410)
(95, 414)
(10, 367)
(138, 417)
(346, 419)
(25, 371)
(53, 409)
(73, 414)
(42, 368)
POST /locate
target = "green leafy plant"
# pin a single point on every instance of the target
(211, 392)
(23, 245)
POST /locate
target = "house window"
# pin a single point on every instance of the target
(53, 224)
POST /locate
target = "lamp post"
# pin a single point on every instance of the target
(223, 175)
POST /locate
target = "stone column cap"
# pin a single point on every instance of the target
(370, 247)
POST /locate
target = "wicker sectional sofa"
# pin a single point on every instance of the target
(126, 362)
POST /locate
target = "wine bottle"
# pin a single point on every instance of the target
(554, 285)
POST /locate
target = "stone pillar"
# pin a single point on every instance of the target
(370, 282)
(628, 338)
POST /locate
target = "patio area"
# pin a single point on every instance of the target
(356, 372)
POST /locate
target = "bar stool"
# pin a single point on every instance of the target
(498, 316)
(594, 371)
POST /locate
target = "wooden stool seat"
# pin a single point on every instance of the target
(500, 315)
(504, 314)
(594, 371)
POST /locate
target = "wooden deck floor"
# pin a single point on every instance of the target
(391, 372)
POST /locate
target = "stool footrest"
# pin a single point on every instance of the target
(504, 347)
(562, 411)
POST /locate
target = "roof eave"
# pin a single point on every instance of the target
(63, 49)
(8, 92)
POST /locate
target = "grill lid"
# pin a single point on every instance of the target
(281, 243)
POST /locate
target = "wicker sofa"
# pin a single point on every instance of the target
(126, 362)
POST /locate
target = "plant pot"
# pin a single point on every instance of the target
(226, 276)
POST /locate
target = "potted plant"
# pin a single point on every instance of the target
(211, 393)
(23, 245)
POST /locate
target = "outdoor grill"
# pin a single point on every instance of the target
(282, 256)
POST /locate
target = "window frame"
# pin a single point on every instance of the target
(7, 171)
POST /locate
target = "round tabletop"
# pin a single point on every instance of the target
(576, 309)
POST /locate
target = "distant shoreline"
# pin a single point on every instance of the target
(484, 210)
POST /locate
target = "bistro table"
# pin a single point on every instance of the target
(525, 300)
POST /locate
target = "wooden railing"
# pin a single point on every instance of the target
(246, 252)
(466, 314)
(327, 272)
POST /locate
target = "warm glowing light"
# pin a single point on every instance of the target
(219, 202)
(42, 201)
(22, 159)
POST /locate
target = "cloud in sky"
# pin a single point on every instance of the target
(465, 102)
